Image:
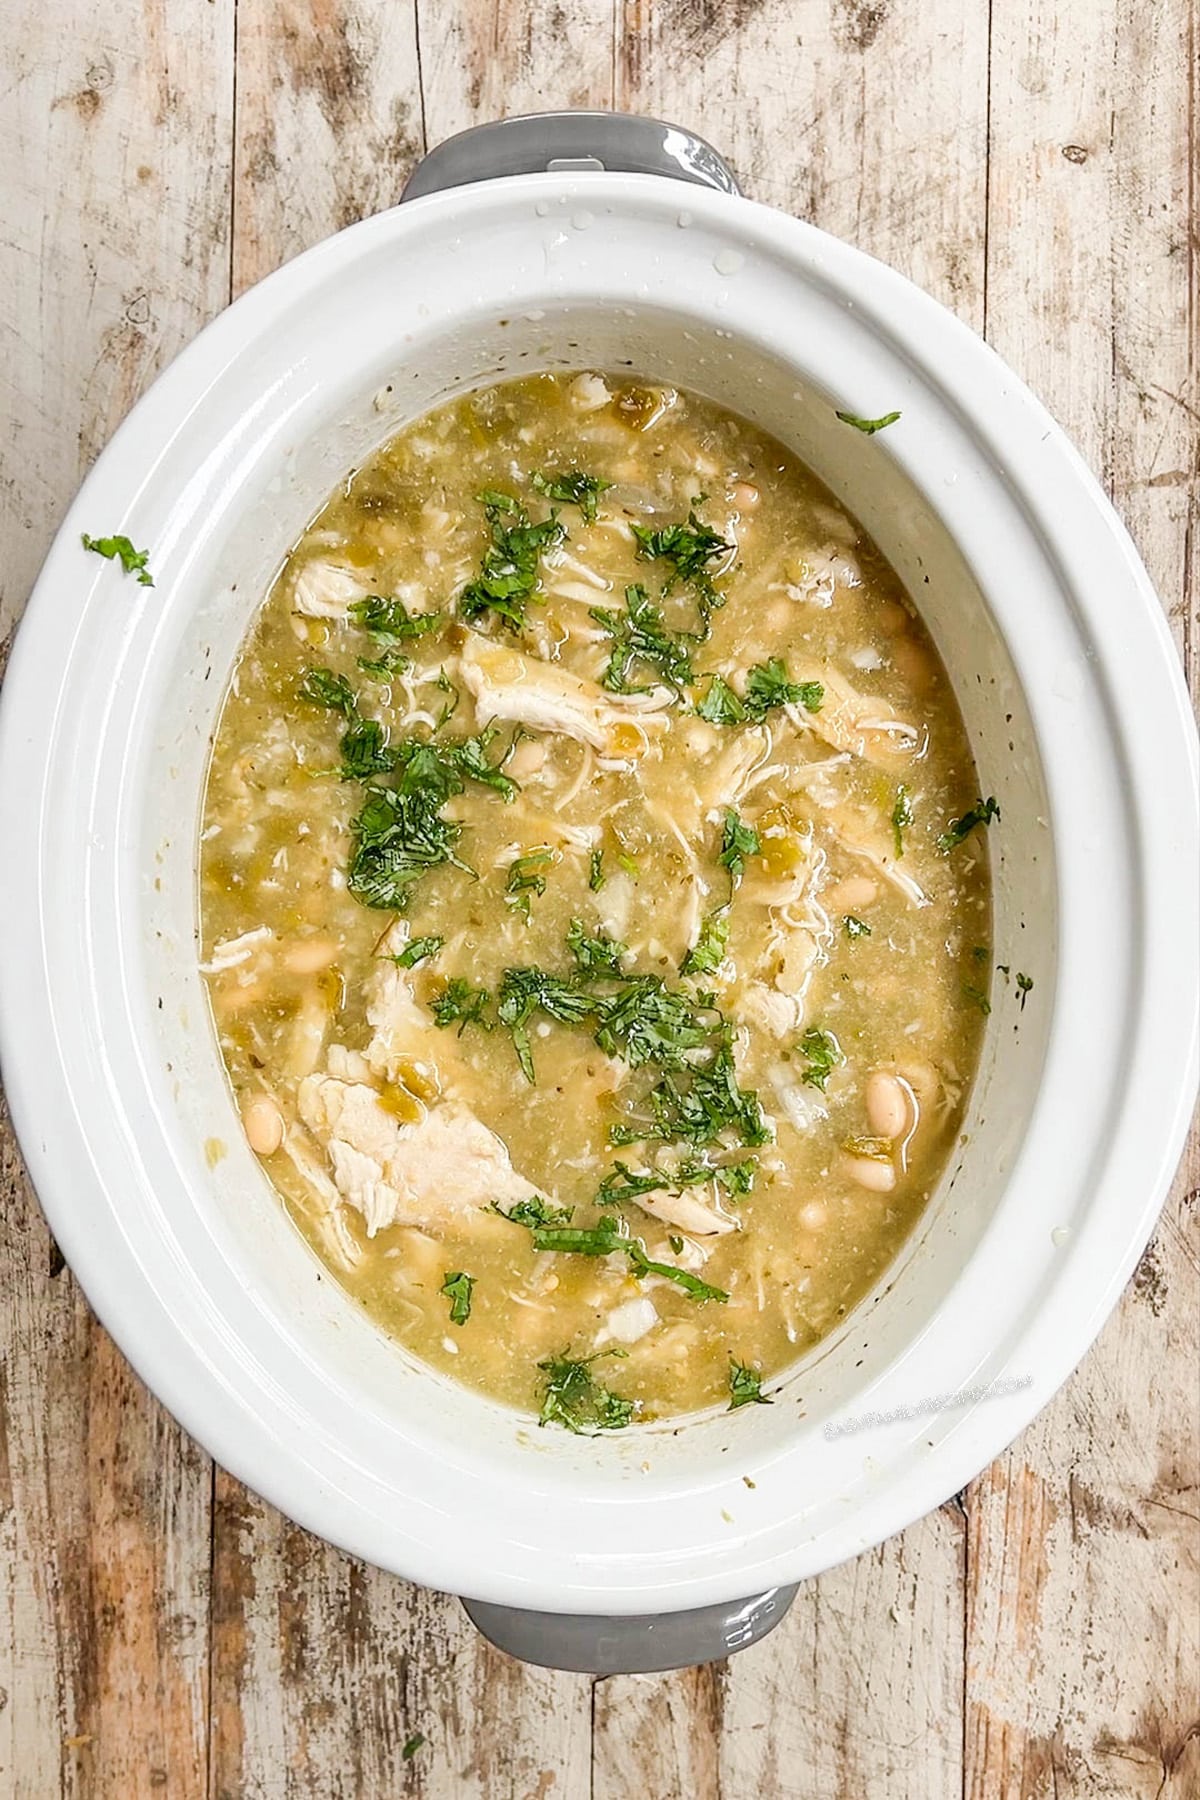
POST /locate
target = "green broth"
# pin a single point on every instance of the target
(842, 984)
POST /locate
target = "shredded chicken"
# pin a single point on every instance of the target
(526, 691)
(871, 849)
(687, 1212)
(816, 576)
(233, 952)
(848, 720)
(420, 1173)
(323, 589)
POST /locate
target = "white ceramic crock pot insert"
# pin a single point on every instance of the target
(1039, 607)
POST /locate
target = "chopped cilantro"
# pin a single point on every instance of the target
(639, 634)
(596, 871)
(457, 1289)
(132, 561)
(745, 1386)
(508, 579)
(572, 488)
(648, 1022)
(446, 686)
(527, 877)
(629, 864)
(692, 1285)
(708, 951)
(384, 666)
(579, 1240)
(689, 549)
(822, 1054)
(418, 950)
(365, 751)
(534, 1212)
(526, 991)
(471, 758)
(595, 956)
(977, 997)
(398, 835)
(767, 686)
(736, 1178)
(676, 1244)
(699, 1108)
(575, 1399)
(458, 1003)
(1024, 987)
(321, 687)
(622, 1183)
(855, 927)
(390, 622)
(412, 1744)
(982, 813)
(738, 841)
(870, 426)
(720, 705)
(901, 818)
(611, 1235)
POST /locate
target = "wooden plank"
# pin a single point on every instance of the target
(485, 59)
(1084, 1553)
(322, 1667)
(870, 121)
(328, 122)
(858, 1692)
(115, 141)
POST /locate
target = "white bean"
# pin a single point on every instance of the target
(307, 956)
(263, 1124)
(528, 757)
(913, 661)
(888, 1105)
(879, 1177)
(853, 894)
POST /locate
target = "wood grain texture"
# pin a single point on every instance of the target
(115, 143)
(480, 62)
(858, 1692)
(1083, 1628)
(322, 1668)
(328, 123)
(1031, 166)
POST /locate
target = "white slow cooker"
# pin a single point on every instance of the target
(636, 1549)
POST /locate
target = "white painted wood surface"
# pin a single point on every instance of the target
(162, 1632)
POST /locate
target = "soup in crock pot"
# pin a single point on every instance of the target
(595, 901)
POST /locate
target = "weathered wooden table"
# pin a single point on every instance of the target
(1032, 163)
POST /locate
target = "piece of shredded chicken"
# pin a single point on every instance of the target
(524, 690)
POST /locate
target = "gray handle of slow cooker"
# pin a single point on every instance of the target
(594, 1645)
(580, 142)
(535, 143)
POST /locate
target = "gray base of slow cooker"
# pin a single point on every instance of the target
(593, 1644)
